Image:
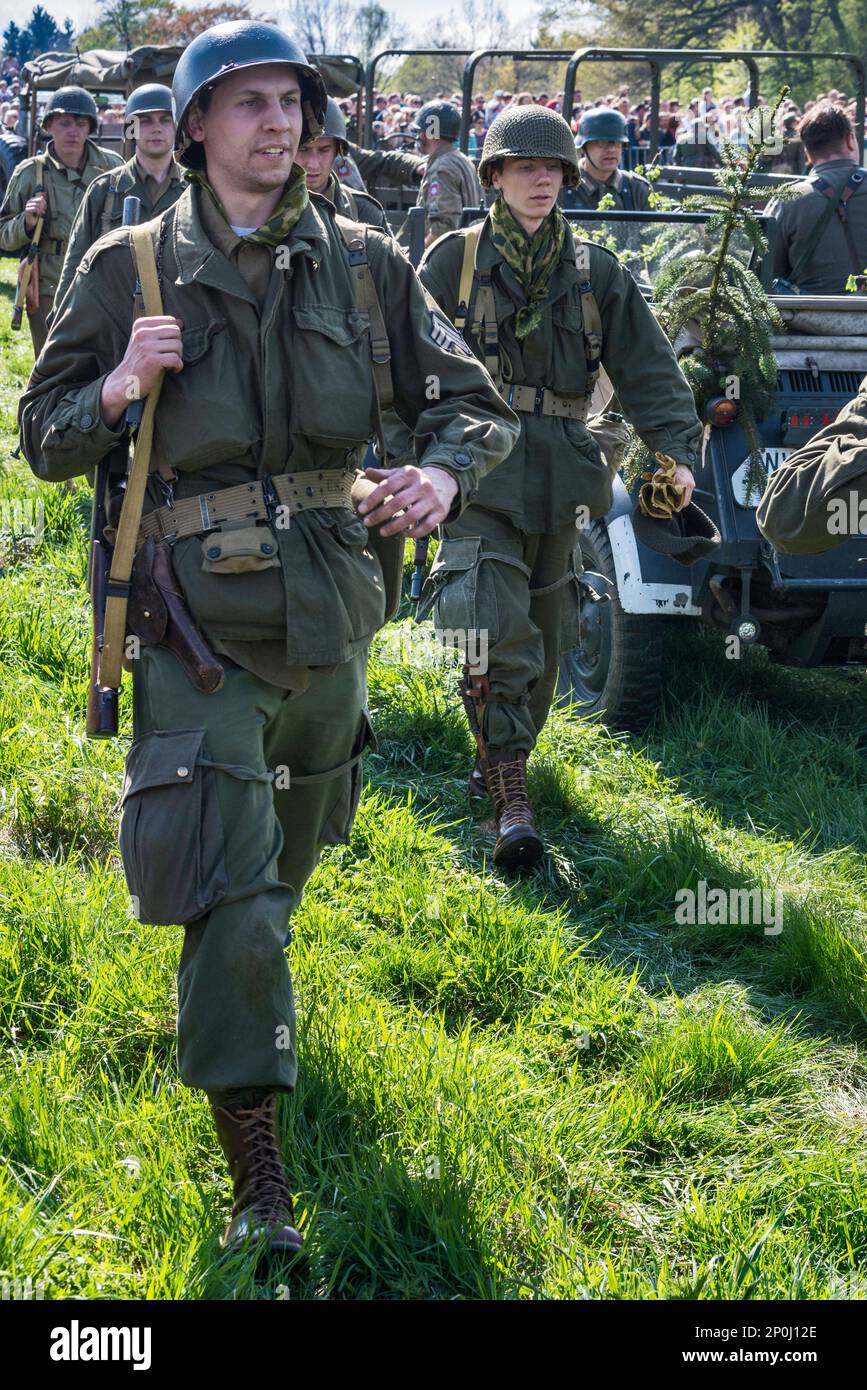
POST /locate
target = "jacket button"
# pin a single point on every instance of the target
(462, 459)
(214, 552)
(86, 421)
(183, 772)
(267, 549)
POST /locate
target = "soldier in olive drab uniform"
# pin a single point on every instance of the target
(822, 235)
(152, 175)
(71, 161)
(230, 796)
(544, 313)
(817, 498)
(399, 167)
(602, 136)
(317, 157)
(450, 181)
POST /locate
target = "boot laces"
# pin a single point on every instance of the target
(511, 798)
(269, 1187)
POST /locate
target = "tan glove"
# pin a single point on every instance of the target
(660, 496)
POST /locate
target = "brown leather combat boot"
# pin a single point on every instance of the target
(263, 1203)
(477, 788)
(519, 844)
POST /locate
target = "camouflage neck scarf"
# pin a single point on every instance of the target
(293, 201)
(531, 259)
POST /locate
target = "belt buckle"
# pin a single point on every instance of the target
(269, 496)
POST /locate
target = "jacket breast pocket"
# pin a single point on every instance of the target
(332, 395)
(568, 373)
(204, 417)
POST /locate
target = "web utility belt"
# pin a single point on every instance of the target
(539, 400)
(249, 502)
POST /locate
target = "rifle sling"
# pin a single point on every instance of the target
(126, 540)
(27, 265)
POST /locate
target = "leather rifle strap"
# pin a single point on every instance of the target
(126, 539)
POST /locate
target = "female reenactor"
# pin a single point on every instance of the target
(544, 313)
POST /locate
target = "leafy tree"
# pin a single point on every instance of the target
(171, 23)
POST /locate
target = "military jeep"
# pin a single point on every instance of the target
(806, 610)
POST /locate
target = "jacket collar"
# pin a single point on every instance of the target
(599, 187)
(90, 146)
(199, 259)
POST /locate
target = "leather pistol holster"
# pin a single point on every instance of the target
(158, 615)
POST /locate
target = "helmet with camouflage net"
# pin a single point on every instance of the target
(151, 96)
(71, 101)
(440, 120)
(227, 48)
(529, 132)
(601, 124)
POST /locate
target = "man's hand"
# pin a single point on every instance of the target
(418, 499)
(154, 346)
(34, 208)
(683, 475)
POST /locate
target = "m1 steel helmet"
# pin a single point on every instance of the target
(71, 101)
(529, 132)
(227, 48)
(602, 124)
(152, 96)
(441, 120)
(334, 127)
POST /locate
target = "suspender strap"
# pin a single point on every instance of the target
(109, 210)
(367, 302)
(126, 539)
(835, 197)
(592, 319)
(468, 268)
(855, 178)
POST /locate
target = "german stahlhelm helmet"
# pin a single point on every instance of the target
(602, 124)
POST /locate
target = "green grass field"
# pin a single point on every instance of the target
(545, 1088)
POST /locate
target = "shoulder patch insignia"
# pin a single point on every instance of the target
(446, 336)
(433, 187)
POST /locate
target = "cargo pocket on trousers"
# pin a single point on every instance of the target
(455, 569)
(171, 832)
(337, 828)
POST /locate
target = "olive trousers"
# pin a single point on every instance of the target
(509, 600)
(220, 832)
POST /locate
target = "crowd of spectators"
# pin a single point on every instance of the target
(704, 118)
